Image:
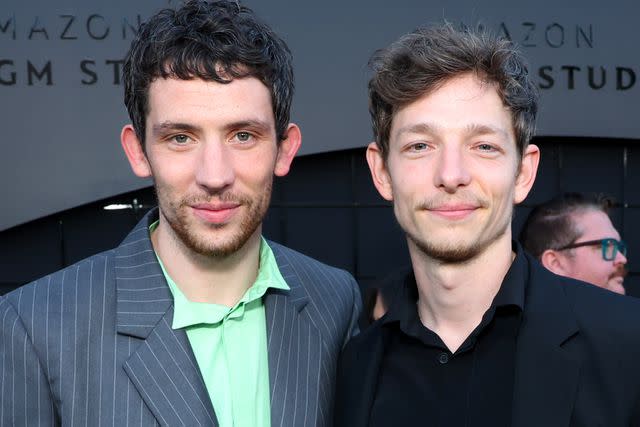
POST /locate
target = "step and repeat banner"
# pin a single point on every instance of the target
(61, 104)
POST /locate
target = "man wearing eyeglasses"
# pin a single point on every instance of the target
(573, 236)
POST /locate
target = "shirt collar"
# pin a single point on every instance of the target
(188, 313)
(514, 284)
(511, 293)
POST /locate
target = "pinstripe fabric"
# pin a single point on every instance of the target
(92, 344)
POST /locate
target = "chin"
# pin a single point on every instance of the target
(448, 254)
(219, 249)
(617, 287)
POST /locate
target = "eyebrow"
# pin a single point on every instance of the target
(478, 129)
(418, 128)
(255, 124)
(169, 126)
(472, 128)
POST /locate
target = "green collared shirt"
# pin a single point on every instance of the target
(230, 346)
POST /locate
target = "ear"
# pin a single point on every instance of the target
(135, 154)
(288, 149)
(379, 172)
(527, 173)
(554, 262)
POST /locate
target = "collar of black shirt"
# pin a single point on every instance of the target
(509, 300)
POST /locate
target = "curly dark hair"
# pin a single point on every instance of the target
(216, 41)
(422, 61)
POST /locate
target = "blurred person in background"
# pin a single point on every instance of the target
(378, 296)
(572, 235)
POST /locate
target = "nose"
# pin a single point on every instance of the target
(620, 259)
(214, 167)
(451, 170)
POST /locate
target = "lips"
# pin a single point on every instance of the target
(458, 211)
(215, 213)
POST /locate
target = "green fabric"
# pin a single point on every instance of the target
(230, 346)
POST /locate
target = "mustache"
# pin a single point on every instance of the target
(439, 201)
(226, 197)
(621, 271)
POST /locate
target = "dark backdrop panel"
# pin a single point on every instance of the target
(328, 208)
(30, 251)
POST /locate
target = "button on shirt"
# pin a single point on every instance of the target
(230, 346)
(421, 381)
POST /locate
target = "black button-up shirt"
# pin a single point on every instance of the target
(422, 383)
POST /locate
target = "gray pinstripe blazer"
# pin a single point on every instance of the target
(92, 344)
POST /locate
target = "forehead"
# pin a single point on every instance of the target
(595, 224)
(462, 104)
(195, 99)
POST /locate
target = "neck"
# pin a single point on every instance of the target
(452, 298)
(201, 278)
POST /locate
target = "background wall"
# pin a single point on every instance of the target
(61, 95)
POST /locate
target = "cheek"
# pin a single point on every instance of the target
(593, 268)
(404, 195)
(174, 177)
(409, 178)
(607, 268)
(501, 188)
(254, 166)
(256, 177)
(173, 169)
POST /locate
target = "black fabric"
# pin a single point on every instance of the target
(576, 360)
(421, 379)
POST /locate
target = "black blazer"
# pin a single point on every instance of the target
(577, 361)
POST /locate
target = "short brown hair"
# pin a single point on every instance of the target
(425, 59)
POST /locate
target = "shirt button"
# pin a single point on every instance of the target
(443, 358)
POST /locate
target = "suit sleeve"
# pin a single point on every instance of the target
(356, 308)
(25, 391)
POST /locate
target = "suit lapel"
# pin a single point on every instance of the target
(296, 365)
(163, 368)
(164, 371)
(546, 376)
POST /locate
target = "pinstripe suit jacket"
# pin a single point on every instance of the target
(92, 344)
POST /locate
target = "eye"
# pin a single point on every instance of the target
(486, 147)
(181, 139)
(243, 136)
(418, 146)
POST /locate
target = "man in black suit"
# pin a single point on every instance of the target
(479, 333)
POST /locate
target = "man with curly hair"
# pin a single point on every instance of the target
(195, 319)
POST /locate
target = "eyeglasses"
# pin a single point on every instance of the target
(610, 247)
